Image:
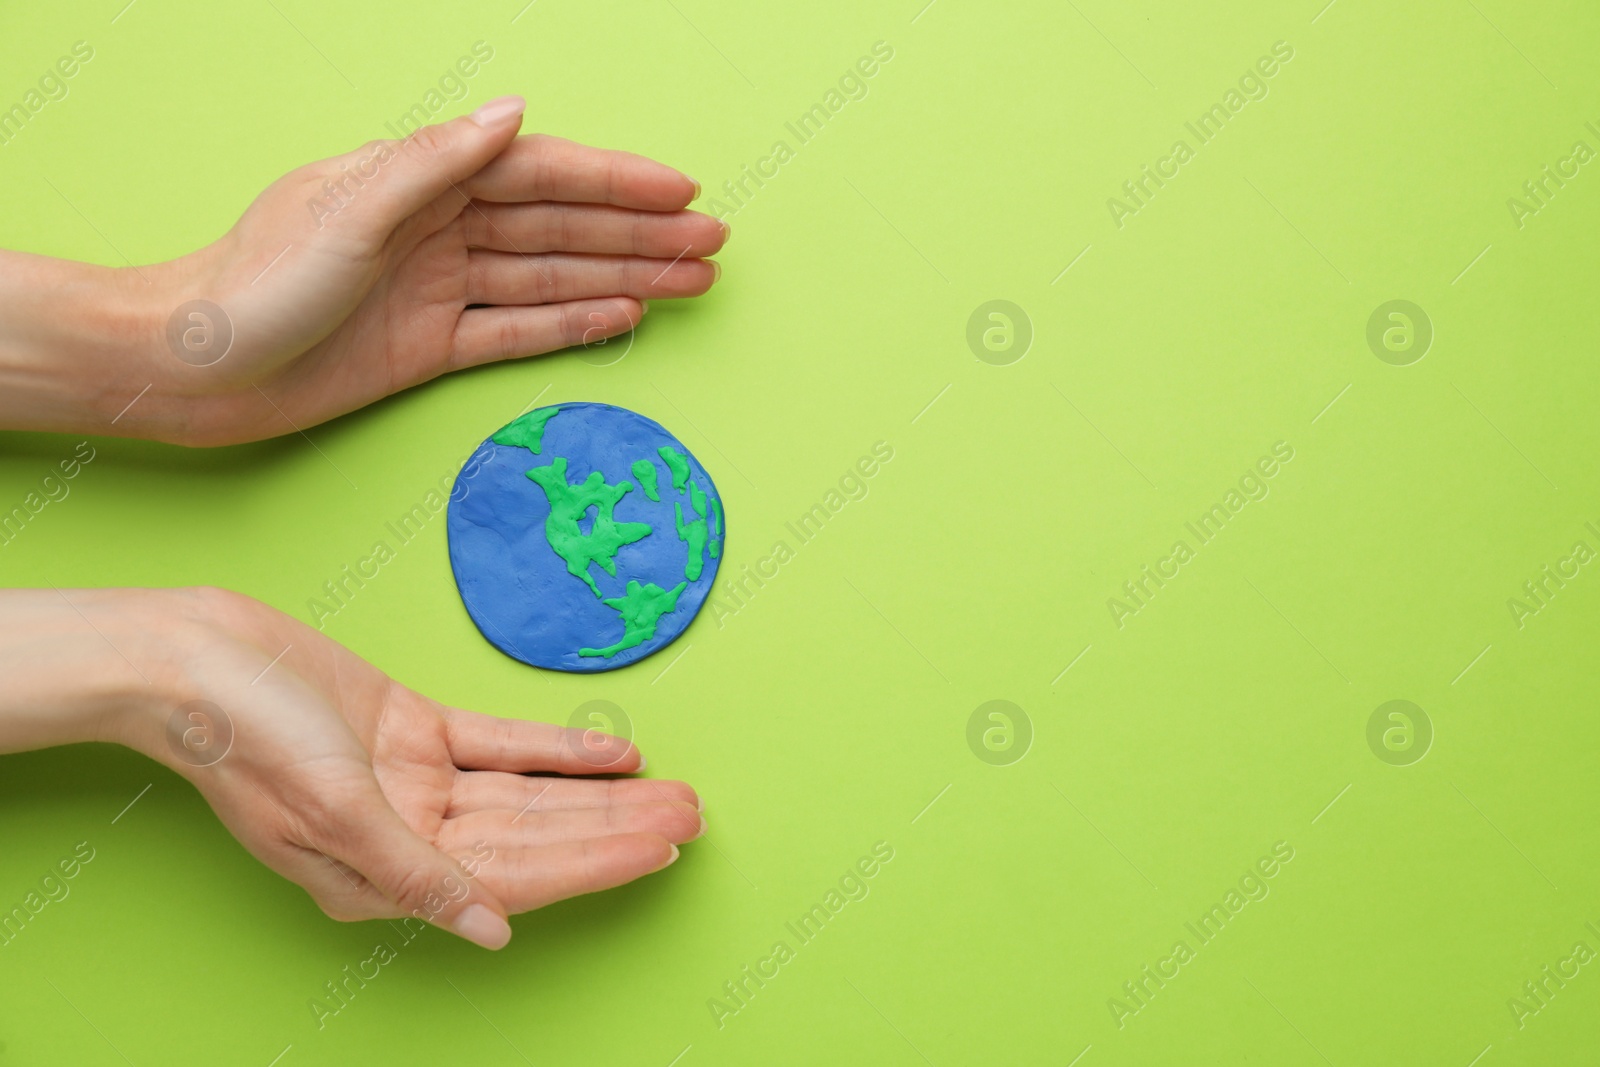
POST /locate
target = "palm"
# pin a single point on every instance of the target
(331, 757)
(403, 318)
(411, 759)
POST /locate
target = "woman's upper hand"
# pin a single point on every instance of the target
(354, 278)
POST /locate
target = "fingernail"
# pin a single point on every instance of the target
(702, 832)
(643, 763)
(727, 231)
(483, 927)
(644, 309)
(499, 110)
(674, 858)
(716, 271)
(696, 185)
(699, 802)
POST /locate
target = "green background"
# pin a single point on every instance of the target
(1228, 714)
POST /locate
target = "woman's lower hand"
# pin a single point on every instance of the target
(380, 802)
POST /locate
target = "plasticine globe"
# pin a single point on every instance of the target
(584, 537)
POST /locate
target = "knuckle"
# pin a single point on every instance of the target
(215, 602)
(427, 144)
(564, 225)
(573, 325)
(368, 153)
(543, 285)
(418, 889)
(589, 861)
(505, 734)
(510, 337)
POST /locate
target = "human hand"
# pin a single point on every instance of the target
(380, 802)
(356, 277)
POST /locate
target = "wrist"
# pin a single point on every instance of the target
(197, 654)
(84, 665)
(78, 342)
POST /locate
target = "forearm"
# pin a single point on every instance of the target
(83, 665)
(76, 343)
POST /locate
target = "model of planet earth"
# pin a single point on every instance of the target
(584, 537)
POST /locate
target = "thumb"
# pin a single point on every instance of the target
(413, 172)
(422, 881)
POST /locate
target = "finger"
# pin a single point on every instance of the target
(417, 878)
(675, 821)
(487, 334)
(496, 790)
(507, 278)
(389, 180)
(546, 227)
(541, 167)
(529, 878)
(489, 743)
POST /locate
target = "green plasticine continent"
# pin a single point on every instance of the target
(645, 471)
(693, 532)
(676, 464)
(711, 538)
(641, 608)
(526, 431)
(568, 505)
